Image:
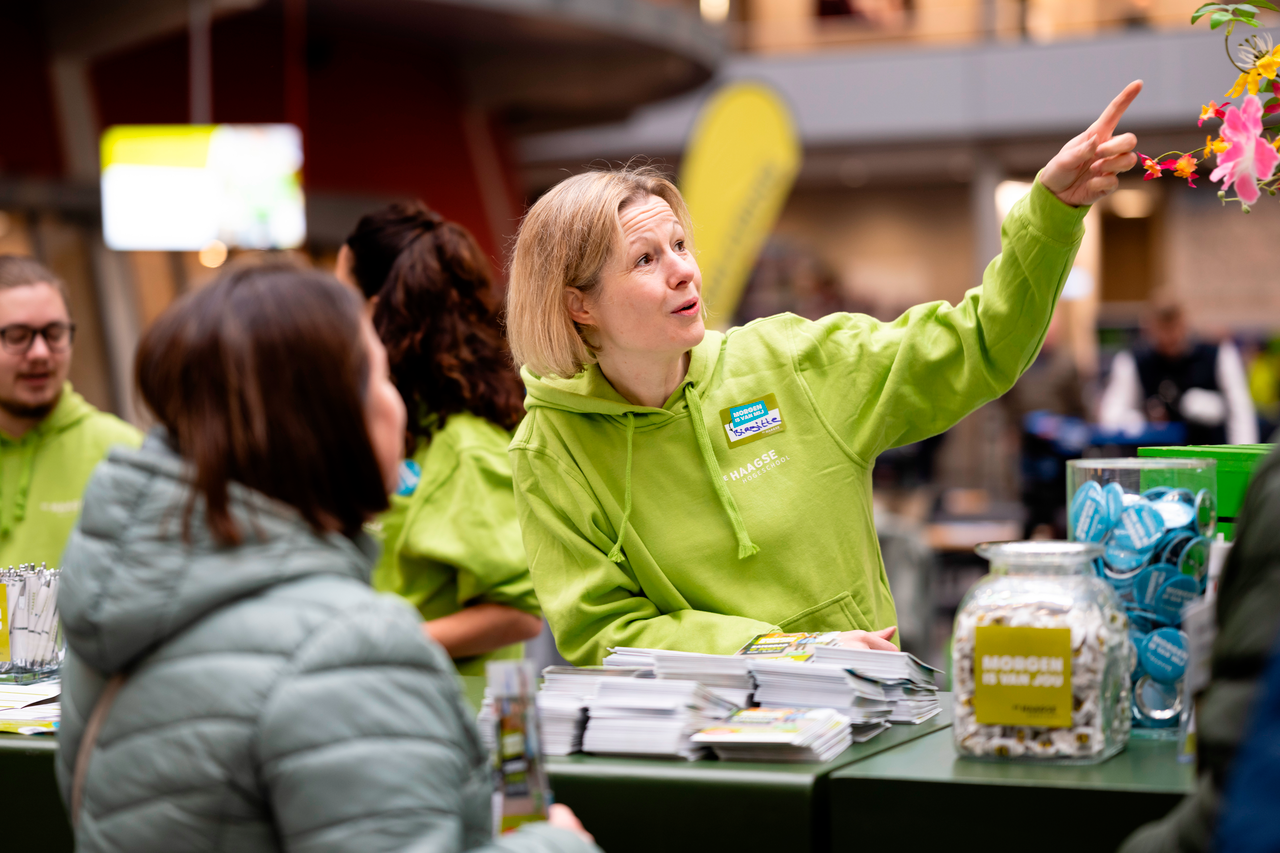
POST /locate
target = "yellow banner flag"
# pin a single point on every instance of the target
(738, 168)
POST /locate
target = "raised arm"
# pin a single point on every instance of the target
(881, 385)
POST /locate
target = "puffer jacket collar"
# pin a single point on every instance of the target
(132, 581)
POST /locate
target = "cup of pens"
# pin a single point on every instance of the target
(31, 641)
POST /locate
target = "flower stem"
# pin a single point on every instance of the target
(1226, 44)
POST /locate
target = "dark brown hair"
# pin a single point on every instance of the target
(17, 271)
(438, 315)
(260, 379)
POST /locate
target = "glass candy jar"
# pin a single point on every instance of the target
(1041, 658)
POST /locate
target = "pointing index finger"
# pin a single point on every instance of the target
(1106, 123)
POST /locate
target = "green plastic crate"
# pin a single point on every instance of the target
(1236, 463)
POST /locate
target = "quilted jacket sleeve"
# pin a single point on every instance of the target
(367, 745)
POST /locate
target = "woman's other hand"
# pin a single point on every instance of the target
(562, 817)
(1085, 170)
(869, 639)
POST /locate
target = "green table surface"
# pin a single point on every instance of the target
(698, 805)
(1092, 807)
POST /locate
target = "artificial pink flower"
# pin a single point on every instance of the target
(1250, 157)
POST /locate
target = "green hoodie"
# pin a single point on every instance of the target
(43, 475)
(451, 537)
(657, 528)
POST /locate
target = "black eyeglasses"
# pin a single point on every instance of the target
(19, 337)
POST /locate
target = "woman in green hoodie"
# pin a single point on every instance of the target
(451, 540)
(685, 489)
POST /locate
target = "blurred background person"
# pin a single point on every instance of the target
(1046, 406)
(1175, 379)
(50, 437)
(452, 543)
(219, 579)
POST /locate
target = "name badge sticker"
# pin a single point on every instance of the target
(752, 420)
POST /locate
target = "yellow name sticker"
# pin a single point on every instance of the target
(1022, 676)
(752, 421)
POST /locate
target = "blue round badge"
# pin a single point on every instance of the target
(408, 476)
(1176, 514)
(1194, 559)
(1148, 582)
(1173, 595)
(1164, 655)
(1140, 527)
(1143, 621)
(1180, 495)
(1115, 495)
(1155, 493)
(1122, 563)
(1090, 519)
(1170, 546)
(1156, 705)
(1206, 513)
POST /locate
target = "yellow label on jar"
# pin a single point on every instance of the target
(1022, 676)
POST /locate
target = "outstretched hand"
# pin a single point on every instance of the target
(1085, 170)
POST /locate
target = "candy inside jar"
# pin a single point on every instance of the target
(1041, 658)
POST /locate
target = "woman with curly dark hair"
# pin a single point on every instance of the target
(451, 540)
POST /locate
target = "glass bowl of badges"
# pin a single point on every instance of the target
(1041, 658)
(1155, 519)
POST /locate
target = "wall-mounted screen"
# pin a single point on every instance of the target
(180, 187)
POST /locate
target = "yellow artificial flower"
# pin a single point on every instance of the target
(1268, 64)
(1214, 146)
(1248, 80)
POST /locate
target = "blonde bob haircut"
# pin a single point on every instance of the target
(565, 241)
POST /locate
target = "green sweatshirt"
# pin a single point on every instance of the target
(43, 475)
(743, 505)
(451, 538)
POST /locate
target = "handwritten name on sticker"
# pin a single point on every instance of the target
(753, 420)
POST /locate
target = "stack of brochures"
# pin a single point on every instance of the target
(627, 657)
(30, 708)
(779, 734)
(910, 685)
(879, 665)
(788, 684)
(726, 676)
(562, 703)
(652, 717)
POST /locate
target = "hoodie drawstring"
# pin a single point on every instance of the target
(615, 553)
(13, 514)
(746, 547)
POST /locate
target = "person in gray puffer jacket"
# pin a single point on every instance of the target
(271, 700)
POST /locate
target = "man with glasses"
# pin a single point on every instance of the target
(50, 437)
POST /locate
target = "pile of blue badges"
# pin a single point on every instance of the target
(1157, 557)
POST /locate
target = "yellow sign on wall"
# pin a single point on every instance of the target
(738, 168)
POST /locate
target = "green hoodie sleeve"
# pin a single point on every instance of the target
(469, 523)
(881, 385)
(591, 603)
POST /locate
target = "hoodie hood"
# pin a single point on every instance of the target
(132, 580)
(589, 393)
(69, 411)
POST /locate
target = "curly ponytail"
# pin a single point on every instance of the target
(438, 315)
